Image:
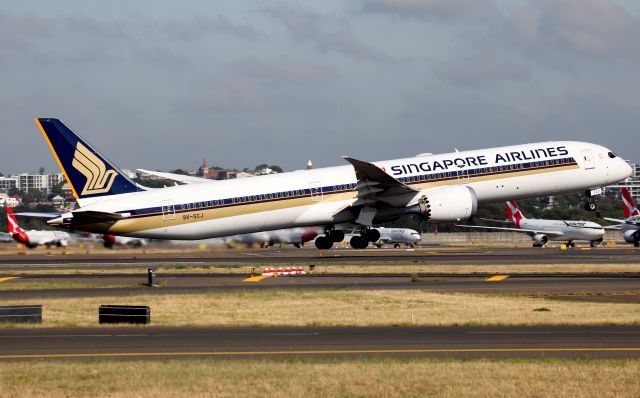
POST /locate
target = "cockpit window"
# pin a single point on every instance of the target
(612, 155)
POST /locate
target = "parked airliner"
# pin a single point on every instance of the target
(542, 231)
(33, 238)
(390, 236)
(440, 188)
(630, 226)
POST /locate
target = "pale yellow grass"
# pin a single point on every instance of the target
(322, 378)
(345, 268)
(332, 308)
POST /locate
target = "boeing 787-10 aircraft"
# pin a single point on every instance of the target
(440, 188)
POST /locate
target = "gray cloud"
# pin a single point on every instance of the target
(241, 82)
(327, 33)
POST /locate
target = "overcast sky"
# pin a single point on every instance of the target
(163, 84)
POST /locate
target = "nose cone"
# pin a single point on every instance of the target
(625, 170)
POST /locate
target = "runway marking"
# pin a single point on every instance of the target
(253, 254)
(8, 278)
(497, 278)
(256, 278)
(320, 352)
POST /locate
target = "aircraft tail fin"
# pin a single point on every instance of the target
(514, 213)
(89, 173)
(14, 227)
(628, 205)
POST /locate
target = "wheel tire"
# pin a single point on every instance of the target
(636, 244)
(323, 243)
(358, 242)
(337, 235)
(373, 235)
(590, 206)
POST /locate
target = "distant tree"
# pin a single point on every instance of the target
(155, 183)
(273, 167)
(41, 170)
(180, 171)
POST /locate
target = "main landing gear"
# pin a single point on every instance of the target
(366, 235)
(330, 237)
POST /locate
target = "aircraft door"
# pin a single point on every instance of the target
(463, 176)
(168, 210)
(316, 191)
(587, 157)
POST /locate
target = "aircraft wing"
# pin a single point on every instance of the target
(628, 222)
(531, 232)
(374, 184)
(179, 178)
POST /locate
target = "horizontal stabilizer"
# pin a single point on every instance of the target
(39, 215)
(90, 215)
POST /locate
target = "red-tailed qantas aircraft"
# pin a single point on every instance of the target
(33, 239)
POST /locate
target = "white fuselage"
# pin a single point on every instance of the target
(39, 238)
(398, 235)
(321, 196)
(566, 230)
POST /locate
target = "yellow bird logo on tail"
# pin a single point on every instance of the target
(99, 180)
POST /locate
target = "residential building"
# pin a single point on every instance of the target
(9, 201)
(8, 183)
(42, 182)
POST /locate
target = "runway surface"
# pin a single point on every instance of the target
(454, 342)
(597, 287)
(445, 256)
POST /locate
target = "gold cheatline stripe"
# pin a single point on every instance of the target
(317, 352)
(55, 155)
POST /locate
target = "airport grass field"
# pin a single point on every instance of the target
(341, 308)
(412, 301)
(323, 378)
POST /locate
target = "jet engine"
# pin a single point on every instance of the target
(540, 240)
(446, 204)
(631, 236)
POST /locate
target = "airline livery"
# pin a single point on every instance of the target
(33, 239)
(440, 188)
(542, 231)
(630, 226)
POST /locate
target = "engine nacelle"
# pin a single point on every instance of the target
(446, 204)
(631, 236)
(540, 239)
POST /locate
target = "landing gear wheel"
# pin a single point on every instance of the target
(336, 235)
(571, 244)
(636, 244)
(359, 242)
(590, 206)
(396, 246)
(372, 235)
(323, 243)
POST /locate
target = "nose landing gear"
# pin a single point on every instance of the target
(590, 204)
